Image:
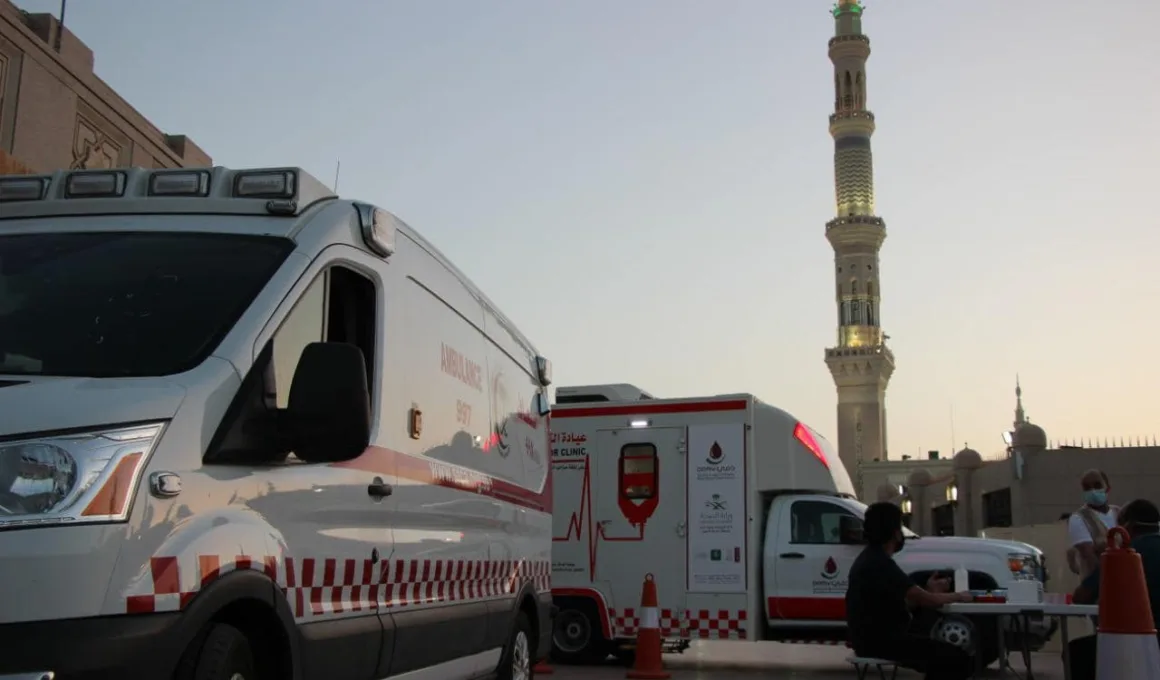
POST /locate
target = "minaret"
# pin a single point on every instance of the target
(1020, 416)
(860, 363)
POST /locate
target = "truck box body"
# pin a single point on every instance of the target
(744, 515)
(716, 460)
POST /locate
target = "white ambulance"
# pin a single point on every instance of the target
(250, 430)
(745, 516)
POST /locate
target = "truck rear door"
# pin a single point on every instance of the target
(638, 483)
(810, 563)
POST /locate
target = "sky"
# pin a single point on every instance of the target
(643, 186)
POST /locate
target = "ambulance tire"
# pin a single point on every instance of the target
(577, 638)
(221, 653)
(517, 659)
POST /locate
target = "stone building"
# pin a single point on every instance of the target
(56, 113)
(1032, 483)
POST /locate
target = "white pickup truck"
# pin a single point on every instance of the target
(745, 516)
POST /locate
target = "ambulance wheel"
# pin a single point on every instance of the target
(517, 662)
(576, 636)
(221, 653)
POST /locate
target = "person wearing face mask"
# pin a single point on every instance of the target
(879, 598)
(1087, 529)
(1141, 519)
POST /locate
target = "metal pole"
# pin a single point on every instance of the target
(337, 169)
(60, 24)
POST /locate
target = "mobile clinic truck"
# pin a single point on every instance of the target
(250, 430)
(745, 516)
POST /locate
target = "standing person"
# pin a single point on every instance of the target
(1087, 528)
(1141, 519)
(880, 595)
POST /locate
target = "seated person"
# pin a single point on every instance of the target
(878, 601)
(1142, 521)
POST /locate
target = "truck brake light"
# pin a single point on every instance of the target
(803, 435)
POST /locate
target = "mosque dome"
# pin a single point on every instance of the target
(919, 477)
(1029, 436)
(887, 491)
(967, 459)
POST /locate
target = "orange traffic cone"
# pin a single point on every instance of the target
(648, 664)
(543, 668)
(1127, 647)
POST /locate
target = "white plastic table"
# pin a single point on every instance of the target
(1023, 613)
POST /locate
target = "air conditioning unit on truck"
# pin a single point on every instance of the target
(745, 516)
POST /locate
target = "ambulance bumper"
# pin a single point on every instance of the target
(101, 648)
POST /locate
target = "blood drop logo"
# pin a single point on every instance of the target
(716, 454)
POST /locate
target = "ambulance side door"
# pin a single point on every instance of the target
(811, 565)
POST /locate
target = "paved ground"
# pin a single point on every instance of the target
(774, 661)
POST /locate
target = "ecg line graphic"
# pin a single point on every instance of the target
(578, 519)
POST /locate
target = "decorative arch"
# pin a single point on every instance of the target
(848, 92)
(859, 91)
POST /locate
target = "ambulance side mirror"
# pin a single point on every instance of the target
(850, 530)
(328, 414)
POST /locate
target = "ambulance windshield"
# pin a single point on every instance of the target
(121, 304)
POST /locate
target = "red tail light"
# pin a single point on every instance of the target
(803, 435)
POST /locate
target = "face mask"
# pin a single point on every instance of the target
(1095, 497)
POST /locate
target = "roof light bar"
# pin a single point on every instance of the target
(100, 184)
(266, 184)
(23, 189)
(179, 183)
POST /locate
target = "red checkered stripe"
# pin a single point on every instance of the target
(316, 587)
(626, 622)
(722, 624)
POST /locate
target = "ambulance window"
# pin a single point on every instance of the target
(638, 471)
(816, 522)
(302, 326)
(338, 306)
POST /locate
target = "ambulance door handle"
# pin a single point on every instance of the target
(379, 489)
(792, 556)
(681, 529)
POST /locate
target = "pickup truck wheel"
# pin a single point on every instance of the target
(576, 635)
(222, 652)
(979, 636)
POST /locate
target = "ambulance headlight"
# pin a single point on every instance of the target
(73, 478)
